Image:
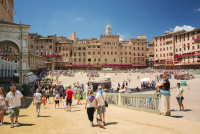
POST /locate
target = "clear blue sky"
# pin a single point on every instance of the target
(88, 18)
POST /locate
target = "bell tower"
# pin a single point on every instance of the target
(108, 30)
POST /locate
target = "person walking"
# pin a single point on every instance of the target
(13, 101)
(101, 98)
(61, 91)
(91, 106)
(179, 96)
(47, 95)
(37, 100)
(44, 101)
(57, 100)
(2, 104)
(69, 94)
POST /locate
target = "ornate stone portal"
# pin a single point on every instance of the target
(17, 35)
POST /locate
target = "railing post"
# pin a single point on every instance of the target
(165, 105)
(119, 99)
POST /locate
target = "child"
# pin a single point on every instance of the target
(65, 105)
(44, 101)
(57, 98)
(78, 97)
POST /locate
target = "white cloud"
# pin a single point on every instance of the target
(179, 28)
(121, 37)
(79, 19)
(198, 10)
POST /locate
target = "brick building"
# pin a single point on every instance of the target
(7, 10)
(177, 50)
(187, 49)
(63, 53)
(150, 54)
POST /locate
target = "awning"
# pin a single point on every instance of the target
(198, 39)
(155, 58)
(169, 64)
(162, 58)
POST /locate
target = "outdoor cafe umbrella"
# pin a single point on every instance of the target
(31, 76)
(145, 79)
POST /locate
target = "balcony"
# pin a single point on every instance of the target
(186, 55)
(197, 39)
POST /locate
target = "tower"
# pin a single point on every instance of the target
(108, 30)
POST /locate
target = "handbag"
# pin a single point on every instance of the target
(106, 103)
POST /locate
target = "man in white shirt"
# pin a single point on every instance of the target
(101, 98)
(179, 96)
(13, 100)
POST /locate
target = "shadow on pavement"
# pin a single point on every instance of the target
(24, 124)
(75, 110)
(21, 124)
(110, 123)
(186, 110)
(44, 116)
(176, 116)
(23, 115)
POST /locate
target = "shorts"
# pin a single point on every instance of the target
(14, 111)
(47, 96)
(2, 107)
(56, 101)
(180, 99)
(69, 102)
(101, 109)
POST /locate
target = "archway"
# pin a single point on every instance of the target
(14, 50)
(10, 58)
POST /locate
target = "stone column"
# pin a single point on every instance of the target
(165, 105)
(24, 71)
(53, 66)
(20, 70)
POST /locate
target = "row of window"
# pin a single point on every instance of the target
(41, 47)
(187, 48)
(163, 49)
(165, 55)
(109, 43)
(114, 60)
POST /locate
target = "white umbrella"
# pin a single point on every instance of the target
(145, 79)
(31, 76)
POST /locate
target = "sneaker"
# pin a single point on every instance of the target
(1, 123)
(91, 126)
(12, 126)
(17, 123)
